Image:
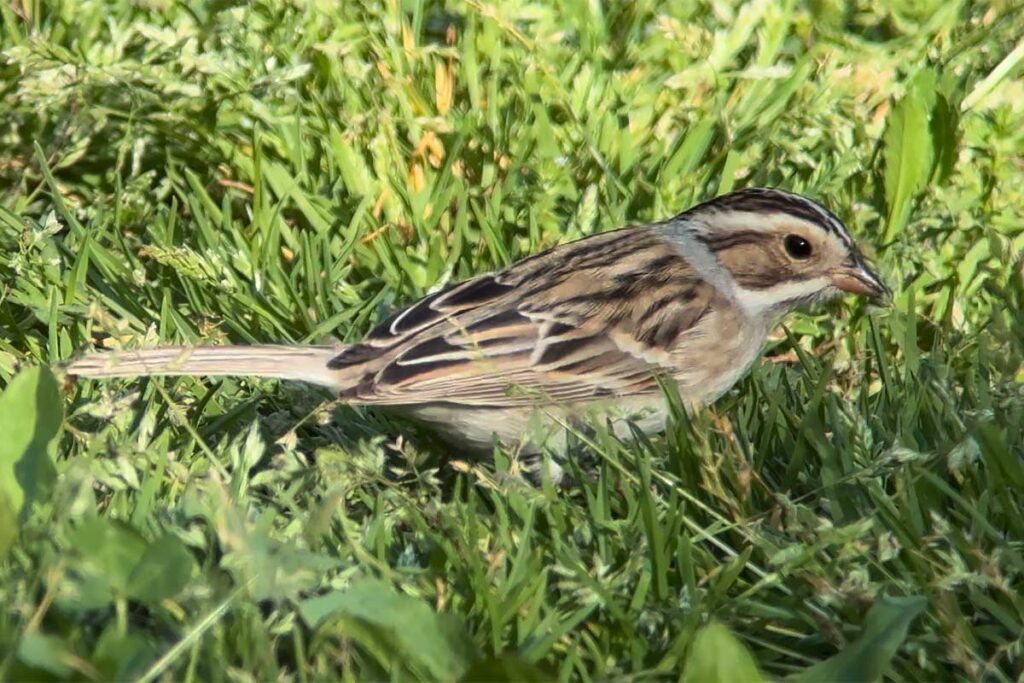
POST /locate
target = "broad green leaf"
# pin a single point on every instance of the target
(111, 560)
(945, 127)
(47, 653)
(868, 657)
(908, 152)
(123, 656)
(8, 522)
(162, 572)
(718, 656)
(30, 416)
(105, 554)
(420, 635)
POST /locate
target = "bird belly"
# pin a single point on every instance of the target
(472, 428)
(530, 430)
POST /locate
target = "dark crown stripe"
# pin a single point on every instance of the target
(765, 200)
(734, 239)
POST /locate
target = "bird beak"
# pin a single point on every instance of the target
(858, 279)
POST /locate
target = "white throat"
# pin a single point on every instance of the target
(773, 302)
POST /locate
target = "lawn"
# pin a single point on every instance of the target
(291, 171)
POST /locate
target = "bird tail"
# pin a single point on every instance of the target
(300, 363)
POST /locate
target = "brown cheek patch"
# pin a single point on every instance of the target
(757, 261)
(756, 264)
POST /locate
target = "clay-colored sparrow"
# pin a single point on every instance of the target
(589, 324)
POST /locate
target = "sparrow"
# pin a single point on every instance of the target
(588, 327)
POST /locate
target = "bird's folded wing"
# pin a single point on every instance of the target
(599, 321)
(510, 360)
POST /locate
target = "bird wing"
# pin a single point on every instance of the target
(599, 321)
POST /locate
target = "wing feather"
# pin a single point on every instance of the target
(595, 323)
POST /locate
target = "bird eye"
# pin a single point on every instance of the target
(797, 247)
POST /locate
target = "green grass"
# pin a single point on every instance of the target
(291, 171)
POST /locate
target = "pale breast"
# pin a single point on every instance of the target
(715, 354)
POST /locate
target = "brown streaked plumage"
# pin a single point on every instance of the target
(587, 325)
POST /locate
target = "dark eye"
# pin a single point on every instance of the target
(797, 247)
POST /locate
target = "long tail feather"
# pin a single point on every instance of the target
(300, 363)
